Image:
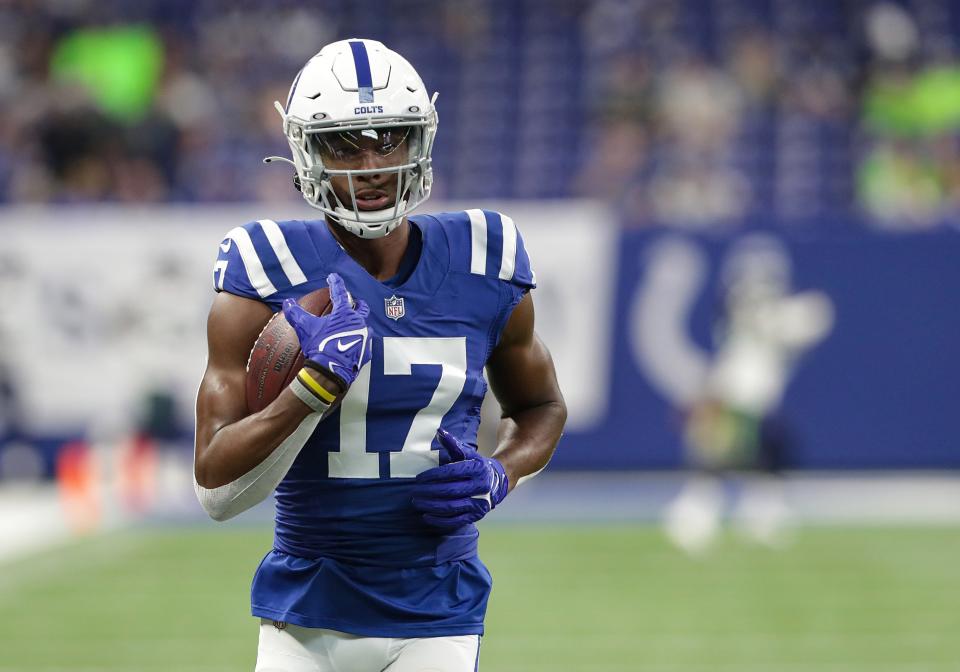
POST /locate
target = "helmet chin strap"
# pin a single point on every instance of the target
(346, 218)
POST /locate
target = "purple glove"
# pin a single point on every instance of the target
(463, 489)
(337, 343)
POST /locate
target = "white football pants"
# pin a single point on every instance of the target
(292, 648)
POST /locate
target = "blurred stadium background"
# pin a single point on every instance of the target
(750, 205)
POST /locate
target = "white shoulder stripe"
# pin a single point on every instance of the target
(251, 262)
(508, 262)
(279, 244)
(478, 242)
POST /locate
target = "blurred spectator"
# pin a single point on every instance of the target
(699, 111)
(908, 175)
(755, 66)
(699, 107)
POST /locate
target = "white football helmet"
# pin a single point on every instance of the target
(357, 88)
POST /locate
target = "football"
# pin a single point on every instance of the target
(276, 357)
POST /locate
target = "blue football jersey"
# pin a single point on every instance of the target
(350, 552)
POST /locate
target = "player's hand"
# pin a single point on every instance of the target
(463, 489)
(338, 344)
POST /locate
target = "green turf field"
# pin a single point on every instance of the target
(597, 599)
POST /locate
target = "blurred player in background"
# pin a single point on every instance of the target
(762, 331)
(372, 448)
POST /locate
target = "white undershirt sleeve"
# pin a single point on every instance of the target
(257, 484)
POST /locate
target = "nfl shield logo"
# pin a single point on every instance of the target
(394, 307)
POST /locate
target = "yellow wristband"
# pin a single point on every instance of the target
(315, 387)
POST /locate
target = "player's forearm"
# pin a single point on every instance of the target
(226, 450)
(237, 448)
(254, 486)
(527, 438)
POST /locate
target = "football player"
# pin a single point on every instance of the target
(372, 448)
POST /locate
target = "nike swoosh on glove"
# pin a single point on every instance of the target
(463, 489)
(337, 343)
